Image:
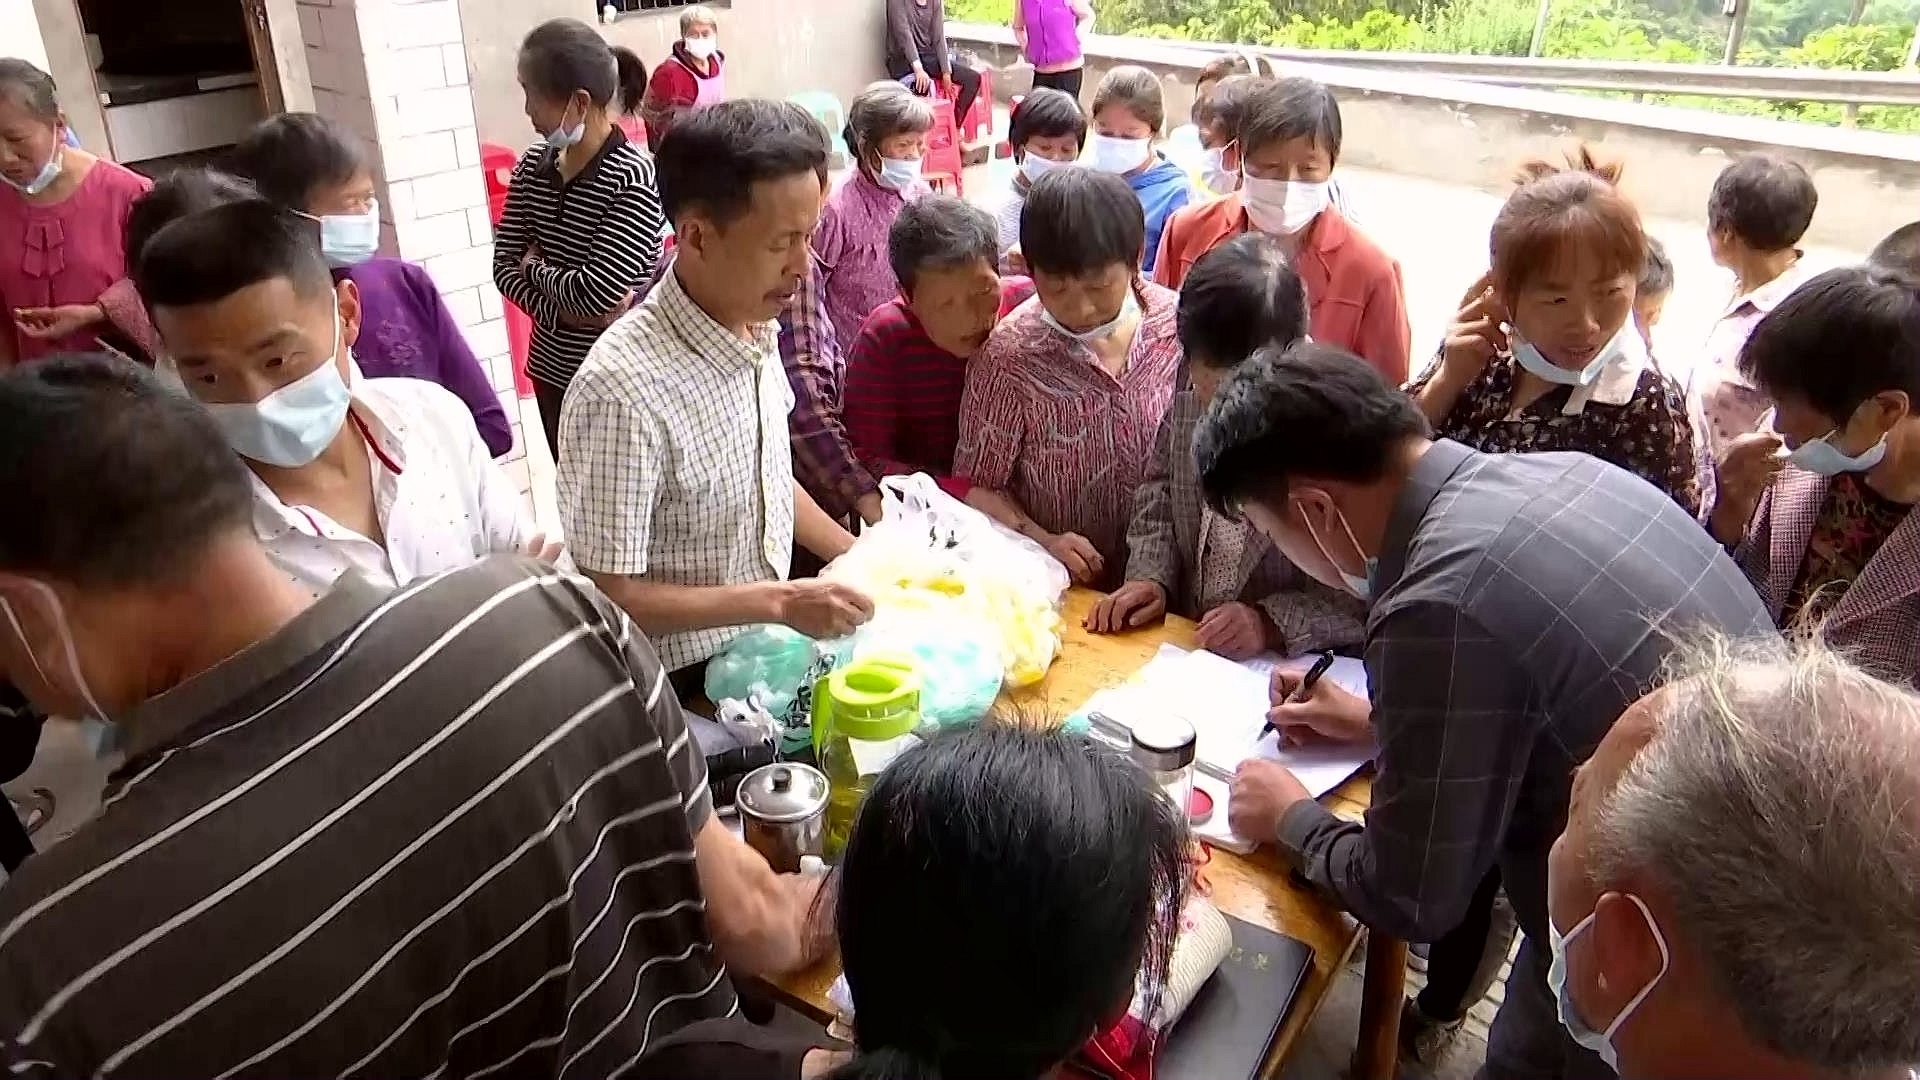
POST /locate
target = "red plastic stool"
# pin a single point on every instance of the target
(497, 162)
(943, 164)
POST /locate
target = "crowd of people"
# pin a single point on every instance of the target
(408, 788)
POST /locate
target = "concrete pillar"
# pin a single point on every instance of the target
(395, 71)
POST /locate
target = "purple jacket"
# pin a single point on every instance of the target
(406, 330)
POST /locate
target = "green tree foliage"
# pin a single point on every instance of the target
(1780, 33)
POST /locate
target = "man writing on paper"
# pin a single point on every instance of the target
(1518, 603)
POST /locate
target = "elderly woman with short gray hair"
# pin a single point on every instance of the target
(692, 75)
(886, 132)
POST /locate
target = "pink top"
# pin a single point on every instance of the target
(1722, 404)
(1044, 422)
(851, 242)
(72, 252)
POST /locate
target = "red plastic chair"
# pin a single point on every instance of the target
(497, 162)
(979, 118)
(943, 164)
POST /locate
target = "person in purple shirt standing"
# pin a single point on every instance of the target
(887, 130)
(315, 168)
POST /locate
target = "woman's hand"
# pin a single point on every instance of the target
(53, 323)
(1077, 554)
(1134, 604)
(1474, 339)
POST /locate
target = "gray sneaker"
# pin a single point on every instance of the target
(1424, 1040)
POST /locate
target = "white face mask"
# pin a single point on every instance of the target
(101, 734)
(1105, 330)
(1600, 1042)
(1283, 207)
(1533, 360)
(1109, 153)
(1033, 166)
(1220, 179)
(566, 136)
(293, 425)
(702, 47)
(898, 174)
(44, 178)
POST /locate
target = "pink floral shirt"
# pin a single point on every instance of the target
(73, 252)
(1044, 422)
(851, 241)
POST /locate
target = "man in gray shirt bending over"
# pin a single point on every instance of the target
(1518, 603)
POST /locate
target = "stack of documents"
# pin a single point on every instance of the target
(1226, 702)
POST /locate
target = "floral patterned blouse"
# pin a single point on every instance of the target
(1633, 416)
(1854, 521)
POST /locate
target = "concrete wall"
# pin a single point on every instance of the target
(20, 33)
(1475, 135)
(773, 47)
(64, 57)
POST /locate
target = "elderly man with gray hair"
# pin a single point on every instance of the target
(1737, 892)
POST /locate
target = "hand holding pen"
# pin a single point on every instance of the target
(1311, 708)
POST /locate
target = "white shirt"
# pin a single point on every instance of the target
(675, 463)
(442, 501)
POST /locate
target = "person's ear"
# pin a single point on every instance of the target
(1624, 956)
(350, 313)
(1889, 407)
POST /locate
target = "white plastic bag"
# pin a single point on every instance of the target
(931, 557)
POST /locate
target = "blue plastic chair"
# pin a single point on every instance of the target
(827, 109)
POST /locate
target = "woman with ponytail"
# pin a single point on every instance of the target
(1005, 893)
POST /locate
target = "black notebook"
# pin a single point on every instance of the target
(1238, 1012)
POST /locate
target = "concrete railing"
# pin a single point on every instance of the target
(1474, 133)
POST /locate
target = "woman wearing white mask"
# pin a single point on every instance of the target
(694, 73)
(1128, 116)
(1833, 483)
(63, 281)
(1545, 355)
(386, 477)
(1282, 141)
(1060, 410)
(582, 227)
(310, 165)
(887, 127)
(1046, 130)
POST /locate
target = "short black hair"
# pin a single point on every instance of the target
(939, 232)
(1239, 297)
(1765, 200)
(1656, 277)
(31, 87)
(1839, 339)
(1899, 251)
(1054, 870)
(289, 155)
(112, 479)
(1046, 113)
(1079, 221)
(211, 254)
(1309, 411)
(183, 191)
(1291, 108)
(562, 57)
(712, 157)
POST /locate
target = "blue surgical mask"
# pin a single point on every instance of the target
(1536, 362)
(1360, 585)
(899, 173)
(1033, 166)
(565, 137)
(293, 425)
(350, 239)
(47, 175)
(101, 734)
(1822, 457)
(1099, 333)
(1599, 1042)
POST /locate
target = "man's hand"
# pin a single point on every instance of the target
(1132, 605)
(545, 550)
(1330, 713)
(922, 85)
(1236, 631)
(949, 87)
(1261, 794)
(823, 609)
(1742, 476)
(51, 324)
(868, 506)
(1077, 554)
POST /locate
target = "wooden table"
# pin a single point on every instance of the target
(1256, 888)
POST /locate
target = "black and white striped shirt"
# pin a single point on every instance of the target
(445, 831)
(596, 238)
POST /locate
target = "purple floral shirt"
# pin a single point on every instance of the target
(851, 242)
(406, 330)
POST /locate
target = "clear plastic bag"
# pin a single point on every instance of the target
(958, 659)
(771, 668)
(934, 560)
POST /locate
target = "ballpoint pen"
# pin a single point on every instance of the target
(1305, 689)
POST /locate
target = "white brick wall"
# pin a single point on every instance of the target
(396, 72)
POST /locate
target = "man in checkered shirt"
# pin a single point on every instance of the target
(1517, 605)
(676, 481)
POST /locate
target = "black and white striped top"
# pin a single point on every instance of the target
(444, 831)
(597, 237)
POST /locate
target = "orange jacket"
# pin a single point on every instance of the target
(1354, 296)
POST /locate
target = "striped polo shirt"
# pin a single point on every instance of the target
(594, 239)
(442, 831)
